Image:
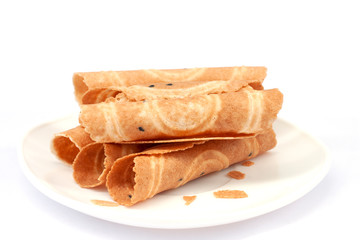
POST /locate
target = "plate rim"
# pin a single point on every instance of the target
(97, 211)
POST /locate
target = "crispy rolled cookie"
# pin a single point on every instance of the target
(94, 161)
(140, 176)
(66, 145)
(183, 89)
(233, 114)
(94, 87)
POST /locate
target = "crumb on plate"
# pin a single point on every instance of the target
(104, 203)
(236, 175)
(189, 199)
(247, 163)
(230, 194)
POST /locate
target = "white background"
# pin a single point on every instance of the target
(311, 50)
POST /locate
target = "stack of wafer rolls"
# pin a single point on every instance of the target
(146, 131)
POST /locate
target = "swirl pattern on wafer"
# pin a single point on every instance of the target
(204, 113)
(207, 161)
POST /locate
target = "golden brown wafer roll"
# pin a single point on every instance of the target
(177, 90)
(94, 161)
(66, 145)
(140, 176)
(233, 114)
(94, 87)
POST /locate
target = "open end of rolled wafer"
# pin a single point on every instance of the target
(66, 145)
(94, 161)
(122, 185)
(89, 165)
(79, 86)
(65, 149)
(267, 141)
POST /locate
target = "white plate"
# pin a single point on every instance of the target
(286, 173)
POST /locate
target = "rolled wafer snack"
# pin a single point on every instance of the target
(94, 87)
(177, 90)
(66, 145)
(94, 161)
(140, 176)
(234, 114)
